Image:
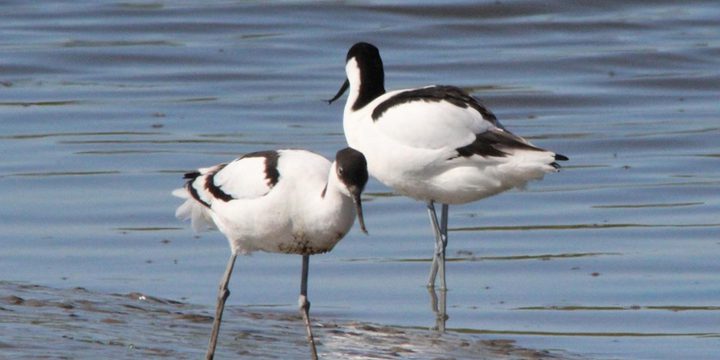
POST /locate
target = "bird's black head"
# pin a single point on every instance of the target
(371, 73)
(363, 50)
(351, 168)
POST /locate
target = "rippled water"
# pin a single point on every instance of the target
(76, 323)
(104, 105)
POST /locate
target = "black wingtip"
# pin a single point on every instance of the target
(559, 157)
(191, 175)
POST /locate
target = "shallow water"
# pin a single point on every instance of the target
(76, 323)
(103, 106)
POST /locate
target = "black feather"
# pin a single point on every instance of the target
(451, 94)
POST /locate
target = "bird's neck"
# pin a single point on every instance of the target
(365, 85)
(330, 207)
(333, 188)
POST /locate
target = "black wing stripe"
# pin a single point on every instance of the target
(191, 177)
(215, 190)
(272, 175)
(271, 165)
(451, 94)
(193, 192)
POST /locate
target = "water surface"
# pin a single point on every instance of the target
(104, 106)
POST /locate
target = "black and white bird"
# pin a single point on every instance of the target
(433, 143)
(282, 201)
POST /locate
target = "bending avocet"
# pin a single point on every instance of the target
(283, 201)
(433, 143)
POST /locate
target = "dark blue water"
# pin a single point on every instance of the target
(104, 105)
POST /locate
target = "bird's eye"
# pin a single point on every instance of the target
(340, 171)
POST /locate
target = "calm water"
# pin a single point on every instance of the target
(103, 106)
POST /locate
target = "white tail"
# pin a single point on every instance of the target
(192, 210)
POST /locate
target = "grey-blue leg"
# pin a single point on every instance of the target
(440, 231)
(223, 294)
(436, 231)
(444, 238)
(305, 305)
(439, 307)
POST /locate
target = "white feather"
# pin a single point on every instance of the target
(292, 216)
(192, 210)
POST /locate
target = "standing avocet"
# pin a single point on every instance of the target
(434, 143)
(283, 201)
